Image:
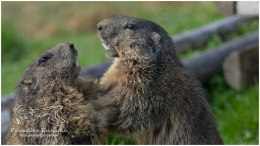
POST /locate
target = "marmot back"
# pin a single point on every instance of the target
(49, 109)
(159, 100)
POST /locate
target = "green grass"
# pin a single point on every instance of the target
(236, 112)
(118, 140)
(30, 28)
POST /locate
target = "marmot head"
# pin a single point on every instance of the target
(133, 38)
(57, 65)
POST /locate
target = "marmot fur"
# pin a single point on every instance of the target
(49, 109)
(159, 100)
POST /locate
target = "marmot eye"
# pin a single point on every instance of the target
(44, 59)
(130, 26)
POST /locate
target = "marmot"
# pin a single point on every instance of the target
(159, 99)
(49, 109)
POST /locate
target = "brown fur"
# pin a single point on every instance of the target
(159, 100)
(50, 83)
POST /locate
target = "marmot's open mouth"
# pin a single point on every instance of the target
(110, 50)
(106, 45)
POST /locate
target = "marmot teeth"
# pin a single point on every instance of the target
(105, 46)
(103, 41)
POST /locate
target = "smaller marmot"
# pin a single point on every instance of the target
(49, 109)
(160, 102)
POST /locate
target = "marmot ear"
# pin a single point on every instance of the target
(155, 38)
(27, 81)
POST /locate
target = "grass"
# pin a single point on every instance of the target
(118, 140)
(236, 112)
(29, 28)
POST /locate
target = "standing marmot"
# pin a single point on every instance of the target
(49, 110)
(159, 100)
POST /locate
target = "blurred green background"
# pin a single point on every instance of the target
(29, 28)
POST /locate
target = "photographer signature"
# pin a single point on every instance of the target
(21, 114)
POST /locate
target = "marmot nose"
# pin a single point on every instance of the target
(70, 44)
(101, 25)
(100, 28)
